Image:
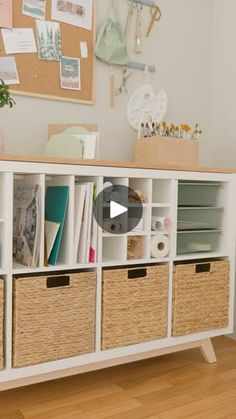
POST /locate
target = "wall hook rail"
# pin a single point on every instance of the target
(141, 66)
(149, 3)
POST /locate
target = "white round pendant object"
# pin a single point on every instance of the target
(144, 104)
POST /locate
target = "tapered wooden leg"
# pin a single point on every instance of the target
(207, 351)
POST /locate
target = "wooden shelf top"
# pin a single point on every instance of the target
(118, 164)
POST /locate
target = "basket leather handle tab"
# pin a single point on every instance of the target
(203, 267)
(58, 281)
(137, 273)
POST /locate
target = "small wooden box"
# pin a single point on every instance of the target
(167, 150)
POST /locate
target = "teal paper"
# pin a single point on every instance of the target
(56, 202)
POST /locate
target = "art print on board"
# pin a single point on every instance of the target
(8, 70)
(70, 73)
(49, 40)
(6, 14)
(73, 12)
(34, 8)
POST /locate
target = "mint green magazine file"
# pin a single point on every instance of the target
(56, 202)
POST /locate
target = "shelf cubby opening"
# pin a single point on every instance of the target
(65, 251)
(158, 214)
(123, 181)
(195, 219)
(162, 191)
(206, 242)
(28, 207)
(144, 224)
(2, 245)
(114, 249)
(85, 227)
(201, 194)
(143, 187)
(138, 247)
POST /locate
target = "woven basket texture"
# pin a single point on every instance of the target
(53, 323)
(134, 310)
(1, 323)
(201, 300)
(135, 247)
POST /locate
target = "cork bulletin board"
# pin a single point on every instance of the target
(40, 78)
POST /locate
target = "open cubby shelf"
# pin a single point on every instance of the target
(186, 198)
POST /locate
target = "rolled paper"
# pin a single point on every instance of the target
(161, 224)
(200, 247)
(107, 185)
(160, 246)
(113, 227)
(135, 248)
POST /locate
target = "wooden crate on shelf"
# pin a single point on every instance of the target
(167, 150)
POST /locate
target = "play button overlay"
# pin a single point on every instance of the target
(118, 209)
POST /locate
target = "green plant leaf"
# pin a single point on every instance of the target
(5, 96)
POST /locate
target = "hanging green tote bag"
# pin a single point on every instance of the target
(110, 44)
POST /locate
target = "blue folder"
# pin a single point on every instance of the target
(56, 202)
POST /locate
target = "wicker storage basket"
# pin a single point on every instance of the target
(135, 248)
(1, 323)
(134, 305)
(201, 297)
(53, 317)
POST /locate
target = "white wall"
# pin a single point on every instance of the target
(180, 48)
(220, 147)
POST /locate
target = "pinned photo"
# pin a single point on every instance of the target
(34, 8)
(49, 40)
(73, 12)
(8, 70)
(70, 73)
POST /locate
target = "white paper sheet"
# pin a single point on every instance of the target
(8, 70)
(51, 230)
(73, 12)
(19, 41)
(84, 49)
(6, 14)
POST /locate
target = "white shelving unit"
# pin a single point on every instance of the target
(205, 198)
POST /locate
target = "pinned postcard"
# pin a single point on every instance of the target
(48, 37)
(19, 41)
(8, 70)
(70, 73)
(73, 12)
(6, 14)
(34, 8)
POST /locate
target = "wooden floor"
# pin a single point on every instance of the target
(170, 387)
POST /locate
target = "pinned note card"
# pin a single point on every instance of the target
(19, 41)
(84, 49)
(6, 14)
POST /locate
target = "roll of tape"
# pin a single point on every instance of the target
(161, 224)
(160, 246)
